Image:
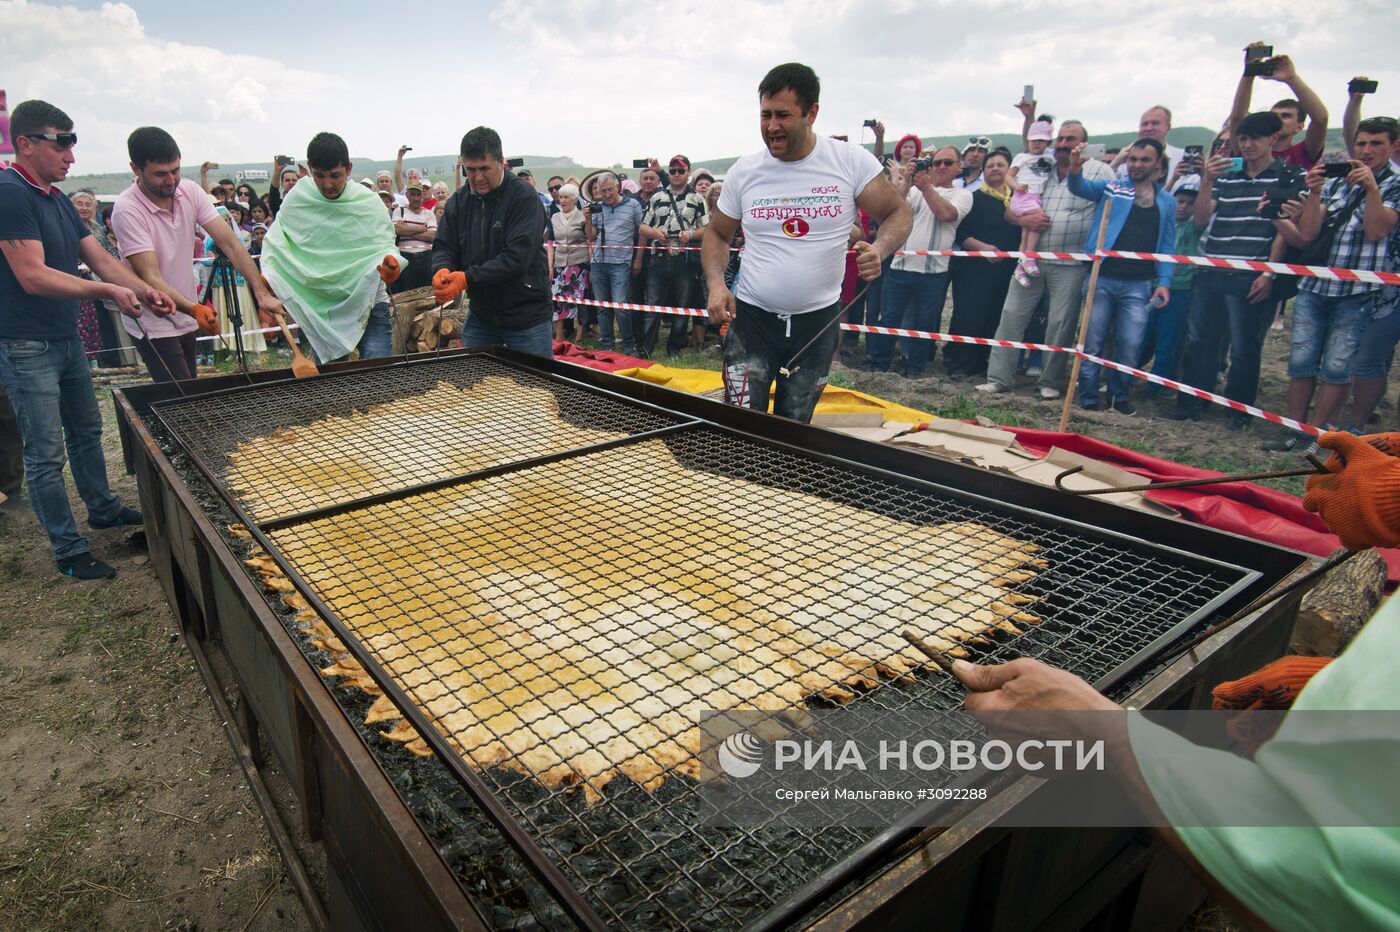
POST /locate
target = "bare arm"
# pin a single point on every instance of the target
(1315, 140)
(944, 211)
(882, 202)
(1027, 108)
(879, 147)
(145, 265)
(1351, 117)
(398, 169)
(1243, 92)
(231, 246)
(714, 256)
(26, 259)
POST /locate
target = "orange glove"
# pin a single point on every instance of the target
(1273, 686)
(447, 285)
(389, 270)
(1359, 498)
(1270, 688)
(206, 317)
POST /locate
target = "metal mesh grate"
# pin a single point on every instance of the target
(290, 447)
(538, 617)
(554, 621)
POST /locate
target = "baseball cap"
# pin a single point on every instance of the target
(1041, 130)
(259, 226)
(367, 182)
(382, 173)
(681, 159)
(703, 173)
(386, 195)
(414, 186)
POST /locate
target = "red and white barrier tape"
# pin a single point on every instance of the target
(955, 338)
(1253, 265)
(1006, 344)
(1281, 268)
(1205, 395)
(647, 308)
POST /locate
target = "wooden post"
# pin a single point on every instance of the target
(1086, 313)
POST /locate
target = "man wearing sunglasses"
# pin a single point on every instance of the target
(675, 222)
(42, 364)
(917, 286)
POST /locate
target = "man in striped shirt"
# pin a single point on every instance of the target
(1227, 298)
(1330, 318)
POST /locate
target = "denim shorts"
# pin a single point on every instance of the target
(1327, 333)
(1378, 346)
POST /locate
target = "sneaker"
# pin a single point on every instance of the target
(1124, 408)
(1291, 441)
(85, 566)
(990, 388)
(1022, 277)
(1049, 394)
(1033, 372)
(127, 517)
(1088, 406)
(1179, 413)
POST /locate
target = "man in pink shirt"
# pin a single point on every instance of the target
(156, 222)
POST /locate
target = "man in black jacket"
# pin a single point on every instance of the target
(490, 244)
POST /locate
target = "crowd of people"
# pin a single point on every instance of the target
(1269, 195)
(820, 217)
(864, 243)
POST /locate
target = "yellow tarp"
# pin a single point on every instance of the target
(833, 401)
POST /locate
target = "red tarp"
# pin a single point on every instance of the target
(597, 359)
(1239, 507)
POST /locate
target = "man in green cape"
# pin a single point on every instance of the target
(330, 255)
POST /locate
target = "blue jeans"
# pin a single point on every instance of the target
(610, 283)
(378, 340)
(1327, 333)
(1120, 305)
(51, 390)
(1219, 306)
(1170, 326)
(538, 339)
(913, 300)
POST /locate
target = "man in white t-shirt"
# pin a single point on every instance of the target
(917, 286)
(414, 227)
(797, 201)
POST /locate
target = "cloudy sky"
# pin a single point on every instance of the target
(593, 80)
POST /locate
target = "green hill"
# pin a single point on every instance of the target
(439, 167)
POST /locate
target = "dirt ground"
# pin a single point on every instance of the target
(122, 805)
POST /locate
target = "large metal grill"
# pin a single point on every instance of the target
(396, 563)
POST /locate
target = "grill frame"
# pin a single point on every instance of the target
(999, 490)
(483, 795)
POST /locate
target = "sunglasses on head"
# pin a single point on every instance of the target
(980, 141)
(62, 140)
(677, 171)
